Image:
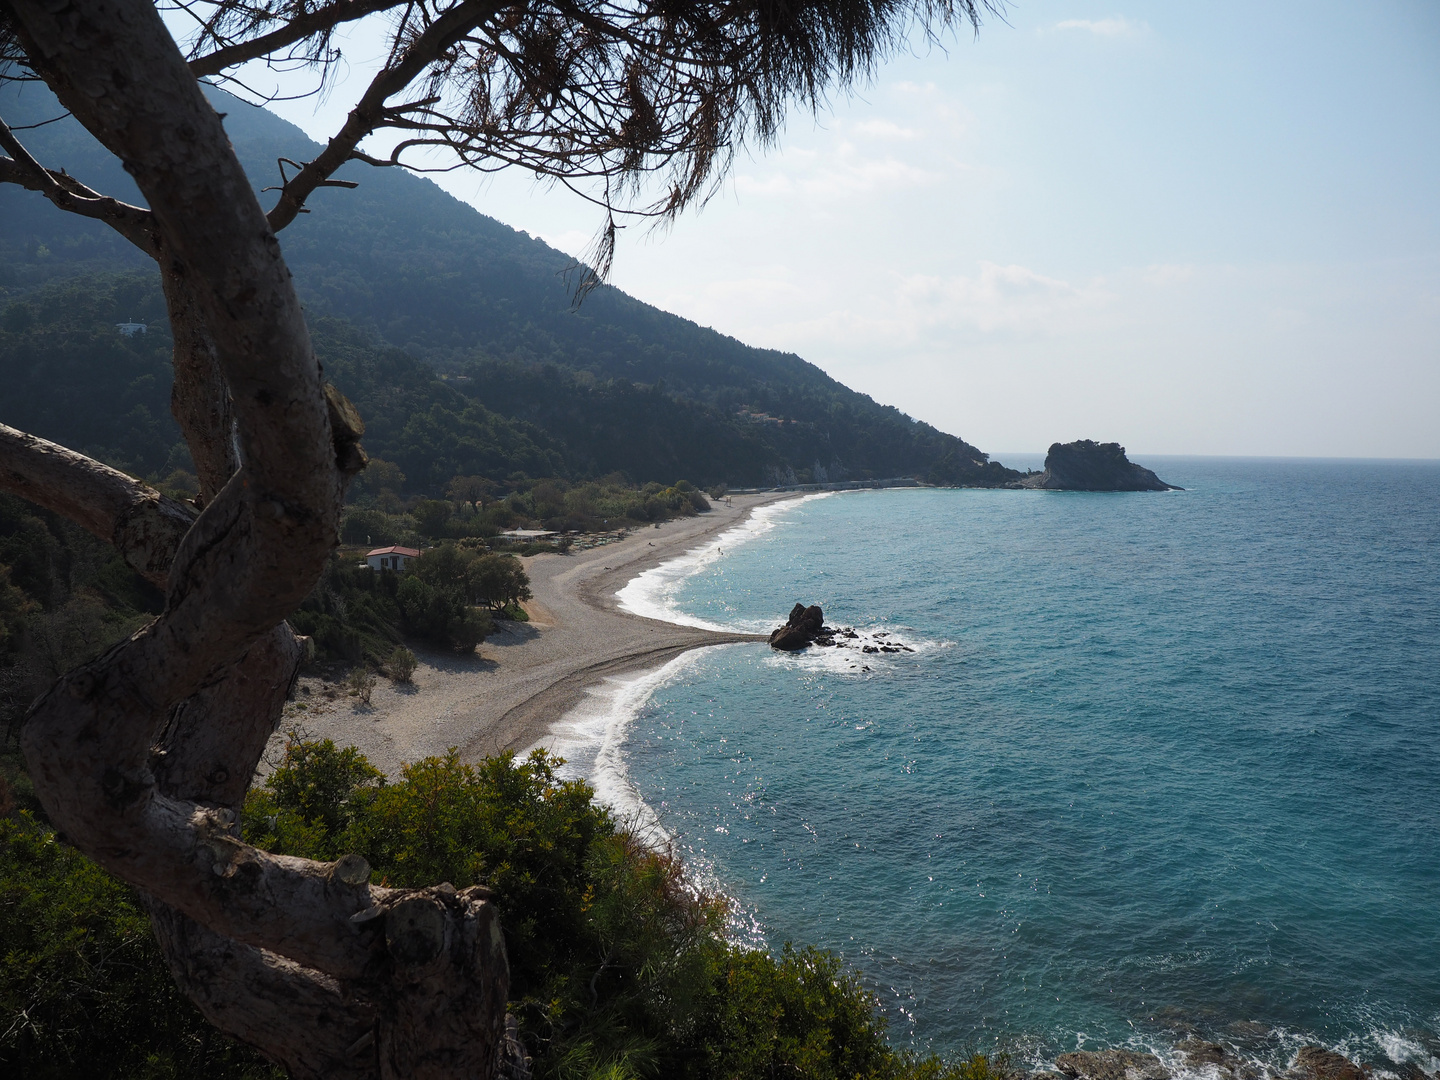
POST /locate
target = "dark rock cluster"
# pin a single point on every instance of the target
(1086, 465)
(881, 645)
(1111, 1065)
(806, 627)
(1311, 1063)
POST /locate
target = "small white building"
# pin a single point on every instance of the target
(391, 558)
(130, 329)
(527, 536)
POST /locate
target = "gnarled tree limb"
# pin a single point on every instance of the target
(254, 995)
(199, 398)
(432, 961)
(145, 526)
(132, 222)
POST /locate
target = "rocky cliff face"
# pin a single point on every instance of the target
(1090, 466)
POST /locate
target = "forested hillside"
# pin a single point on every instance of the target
(395, 272)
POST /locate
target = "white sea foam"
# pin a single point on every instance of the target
(1406, 1049)
(652, 593)
(1269, 1055)
(590, 738)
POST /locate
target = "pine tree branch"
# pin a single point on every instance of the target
(369, 113)
(297, 29)
(135, 223)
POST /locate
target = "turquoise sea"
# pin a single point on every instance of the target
(1158, 765)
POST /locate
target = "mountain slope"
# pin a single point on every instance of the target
(435, 278)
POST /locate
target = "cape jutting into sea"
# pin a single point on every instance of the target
(1160, 764)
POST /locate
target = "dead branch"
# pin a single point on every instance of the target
(65, 192)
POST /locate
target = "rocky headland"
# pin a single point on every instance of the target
(1086, 465)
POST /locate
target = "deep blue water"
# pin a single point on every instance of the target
(1161, 763)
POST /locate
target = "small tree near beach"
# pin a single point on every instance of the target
(401, 665)
(361, 683)
(142, 757)
(498, 581)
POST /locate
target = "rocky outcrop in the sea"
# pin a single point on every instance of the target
(1199, 1055)
(805, 625)
(1198, 1052)
(1090, 466)
(1317, 1063)
(1111, 1065)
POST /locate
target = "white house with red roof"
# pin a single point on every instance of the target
(391, 558)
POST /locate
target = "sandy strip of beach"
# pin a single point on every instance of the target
(524, 678)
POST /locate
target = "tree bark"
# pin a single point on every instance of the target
(142, 757)
(199, 399)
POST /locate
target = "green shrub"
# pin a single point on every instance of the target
(401, 665)
(440, 613)
(84, 991)
(497, 581)
(372, 527)
(619, 967)
(351, 613)
(14, 606)
(431, 516)
(361, 682)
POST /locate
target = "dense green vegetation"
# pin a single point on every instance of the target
(359, 615)
(84, 991)
(407, 274)
(72, 378)
(64, 598)
(619, 968)
(480, 508)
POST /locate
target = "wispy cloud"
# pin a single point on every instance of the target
(1001, 298)
(884, 129)
(840, 174)
(1116, 27)
(1168, 273)
(879, 314)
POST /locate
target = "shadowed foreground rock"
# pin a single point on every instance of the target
(1318, 1063)
(1111, 1065)
(1086, 465)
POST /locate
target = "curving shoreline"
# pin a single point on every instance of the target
(527, 676)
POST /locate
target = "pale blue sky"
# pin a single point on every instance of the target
(1192, 228)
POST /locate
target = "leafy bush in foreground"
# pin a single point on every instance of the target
(84, 992)
(619, 969)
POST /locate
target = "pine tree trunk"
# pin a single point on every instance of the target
(142, 757)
